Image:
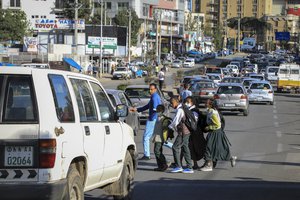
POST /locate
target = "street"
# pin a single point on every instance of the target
(267, 144)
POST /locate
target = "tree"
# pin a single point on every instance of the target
(13, 25)
(122, 19)
(190, 23)
(218, 38)
(84, 11)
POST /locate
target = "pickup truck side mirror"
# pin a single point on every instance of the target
(121, 111)
(249, 91)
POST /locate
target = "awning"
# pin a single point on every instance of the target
(72, 63)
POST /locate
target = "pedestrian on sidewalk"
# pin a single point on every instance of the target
(161, 79)
(155, 100)
(161, 135)
(182, 138)
(217, 144)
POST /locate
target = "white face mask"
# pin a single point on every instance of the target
(188, 105)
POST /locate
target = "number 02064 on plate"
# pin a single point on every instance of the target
(18, 156)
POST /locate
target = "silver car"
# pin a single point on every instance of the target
(261, 91)
(176, 64)
(119, 97)
(140, 96)
(232, 97)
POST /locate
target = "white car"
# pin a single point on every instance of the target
(189, 63)
(176, 64)
(261, 91)
(233, 69)
(122, 73)
(61, 136)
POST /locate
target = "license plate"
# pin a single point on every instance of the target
(229, 104)
(18, 156)
(259, 98)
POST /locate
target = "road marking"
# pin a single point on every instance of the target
(279, 134)
(279, 147)
(274, 111)
(275, 117)
(276, 124)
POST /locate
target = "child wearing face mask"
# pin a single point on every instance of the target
(161, 135)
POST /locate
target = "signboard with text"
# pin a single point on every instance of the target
(282, 36)
(31, 44)
(107, 42)
(50, 24)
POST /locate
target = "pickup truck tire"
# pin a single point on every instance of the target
(245, 112)
(126, 179)
(75, 187)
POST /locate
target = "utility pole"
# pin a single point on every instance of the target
(156, 36)
(171, 49)
(101, 39)
(76, 7)
(129, 34)
(160, 25)
(239, 34)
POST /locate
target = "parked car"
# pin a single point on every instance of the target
(189, 63)
(176, 64)
(62, 136)
(261, 91)
(119, 97)
(232, 97)
(203, 90)
(122, 73)
(140, 96)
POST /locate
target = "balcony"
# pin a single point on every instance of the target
(212, 11)
(213, 3)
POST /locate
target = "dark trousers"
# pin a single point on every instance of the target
(160, 158)
(160, 83)
(182, 143)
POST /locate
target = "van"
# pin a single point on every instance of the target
(61, 136)
(271, 75)
(288, 77)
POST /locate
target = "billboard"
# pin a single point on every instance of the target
(31, 44)
(107, 42)
(50, 24)
(282, 36)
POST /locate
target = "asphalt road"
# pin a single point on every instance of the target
(267, 144)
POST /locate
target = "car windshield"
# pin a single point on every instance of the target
(213, 70)
(258, 77)
(260, 86)
(176, 61)
(214, 77)
(283, 71)
(230, 90)
(202, 85)
(188, 61)
(272, 70)
(138, 92)
(247, 82)
(231, 80)
(121, 69)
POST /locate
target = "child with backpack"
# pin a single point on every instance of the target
(161, 134)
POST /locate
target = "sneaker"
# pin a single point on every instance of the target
(145, 158)
(233, 160)
(177, 170)
(206, 168)
(188, 171)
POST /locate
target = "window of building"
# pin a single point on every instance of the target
(15, 3)
(145, 10)
(123, 5)
(276, 23)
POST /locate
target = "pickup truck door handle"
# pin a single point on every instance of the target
(87, 130)
(107, 130)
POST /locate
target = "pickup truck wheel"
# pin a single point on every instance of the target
(75, 187)
(245, 112)
(126, 179)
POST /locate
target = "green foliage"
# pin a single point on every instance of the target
(249, 23)
(83, 13)
(122, 19)
(208, 30)
(218, 38)
(190, 23)
(13, 25)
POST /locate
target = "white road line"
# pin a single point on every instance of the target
(275, 117)
(274, 111)
(279, 147)
(279, 134)
(276, 124)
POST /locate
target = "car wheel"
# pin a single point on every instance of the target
(245, 112)
(75, 187)
(271, 102)
(126, 179)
